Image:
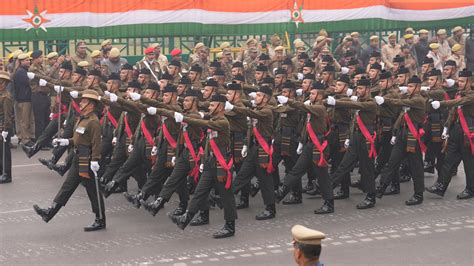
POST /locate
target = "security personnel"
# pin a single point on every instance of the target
(459, 128)
(40, 100)
(259, 157)
(361, 145)
(307, 245)
(6, 127)
(215, 167)
(408, 142)
(312, 149)
(87, 143)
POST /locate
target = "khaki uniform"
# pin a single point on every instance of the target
(6, 124)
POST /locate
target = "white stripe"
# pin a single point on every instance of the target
(26, 165)
(14, 211)
(87, 19)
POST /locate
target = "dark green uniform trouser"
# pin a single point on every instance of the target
(336, 156)
(177, 180)
(305, 161)
(72, 181)
(414, 161)
(357, 152)
(384, 155)
(119, 156)
(135, 165)
(48, 133)
(288, 161)
(106, 147)
(456, 152)
(208, 181)
(7, 168)
(251, 168)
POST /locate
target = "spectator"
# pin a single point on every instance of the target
(390, 50)
(81, 55)
(422, 46)
(114, 63)
(343, 47)
(444, 50)
(40, 101)
(458, 38)
(470, 51)
(22, 91)
(356, 46)
(434, 54)
(410, 61)
(373, 47)
(457, 56)
(162, 60)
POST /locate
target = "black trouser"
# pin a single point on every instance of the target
(414, 161)
(288, 161)
(159, 173)
(67, 133)
(305, 162)
(384, 155)
(72, 181)
(41, 104)
(434, 154)
(251, 168)
(7, 166)
(208, 181)
(135, 165)
(357, 152)
(119, 156)
(456, 152)
(177, 180)
(107, 148)
(336, 155)
(47, 135)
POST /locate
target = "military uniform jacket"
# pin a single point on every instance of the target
(466, 103)
(318, 115)
(365, 108)
(387, 114)
(6, 111)
(35, 87)
(218, 130)
(261, 118)
(415, 107)
(87, 133)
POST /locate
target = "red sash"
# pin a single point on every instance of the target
(76, 106)
(221, 160)
(371, 139)
(322, 161)
(465, 128)
(127, 127)
(267, 148)
(111, 118)
(168, 136)
(146, 133)
(195, 171)
(446, 96)
(416, 134)
(62, 111)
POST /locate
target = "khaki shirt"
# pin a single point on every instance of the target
(75, 59)
(388, 53)
(6, 111)
(87, 132)
(40, 70)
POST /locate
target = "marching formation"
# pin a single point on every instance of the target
(216, 132)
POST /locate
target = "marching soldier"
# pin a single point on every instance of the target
(6, 127)
(408, 142)
(87, 143)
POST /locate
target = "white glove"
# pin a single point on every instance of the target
(299, 92)
(95, 166)
(107, 93)
(244, 151)
(154, 151)
(42, 82)
(445, 135)
(113, 97)
(450, 82)
(74, 94)
(30, 75)
(173, 160)
(253, 95)
(354, 98)
(346, 143)
(425, 88)
(435, 104)
(228, 106)
(282, 99)
(299, 150)
(344, 70)
(151, 110)
(307, 102)
(114, 141)
(130, 148)
(300, 76)
(253, 103)
(379, 100)
(403, 89)
(178, 117)
(349, 92)
(201, 114)
(60, 142)
(4, 135)
(331, 100)
(393, 140)
(58, 88)
(274, 70)
(201, 168)
(135, 96)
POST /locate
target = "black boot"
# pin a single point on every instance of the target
(44, 162)
(183, 220)
(5, 179)
(47, 214)
(243, 202)
(315, 190)
(428, 167)
(254, 189)
(415, 199)
(227, 231)
(110, 188)
(294, 198)
(380, 191)
(181, 209)
(309, 186)
(201, 219)
(341, 193)
(268, 213)
(61, 169)
(467, 193)
(98, 224)
(154, 206)
(30, 150)
(281, 193)
(328, 207)
(437, 188)
(133, 199)
(215, 200)
(393, 189)
(368, 202)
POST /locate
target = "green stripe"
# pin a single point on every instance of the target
(196, 29)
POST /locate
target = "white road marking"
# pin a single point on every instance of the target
(14, 211)
(26, 165)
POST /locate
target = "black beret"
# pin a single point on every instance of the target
(114, 76)
(134, 84)
(264, 57)
(344, 78)
(303, 56)
(262, 68)
(184, 80)
(403, 70)
(145, 71)
(414, 79)
(309, 63)
(267, 90)
(237, 64)
(81, 71)
(287, 62)
(94, 72)
(363, 82)
(280, 71)
(153, 86)
(239, 77)
(169, 88)
(327, 58)
(465, 73)
(318, 86)
(175, 63)
(398, 59)
(329, 68)
(309, 76)
(428, 60)
(211, 82)
(127, 66)
(218, 98)
(219, 72)
(36, 54)
(359, 70)
(288, 85)
(167, 76)
(385, 74)
(215, 63)
(268, 80)
(450, 63)
(192, 93)
(353, 62)
(196, 68)
(434, 72)
(234, 87)
(375, 54)
(66, 65)
(376, 66)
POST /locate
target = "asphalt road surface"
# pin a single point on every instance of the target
(438, 232)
